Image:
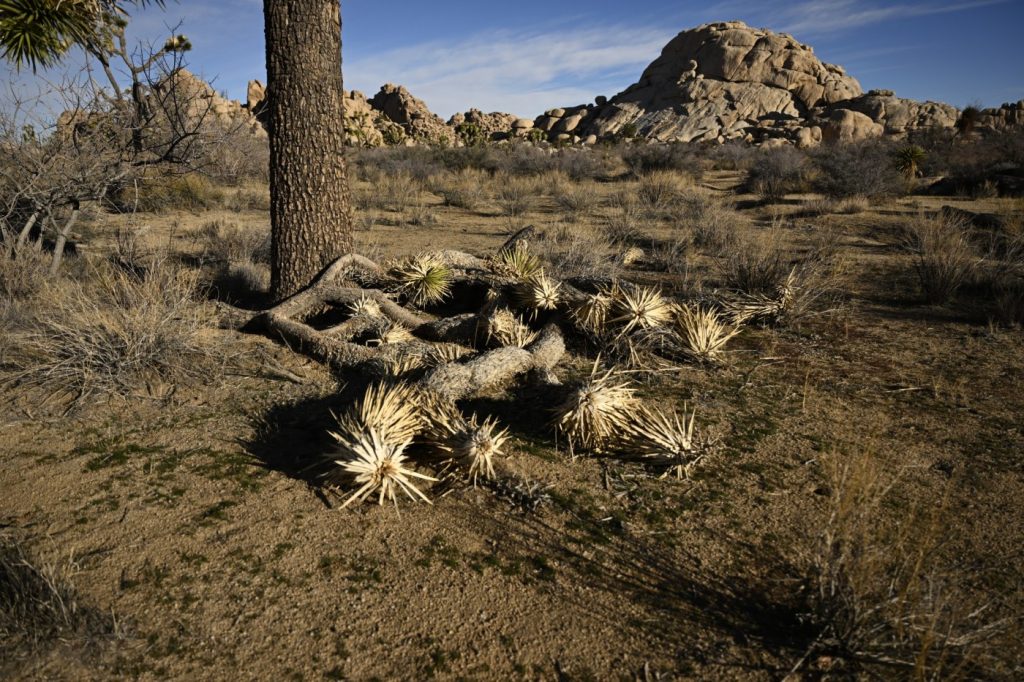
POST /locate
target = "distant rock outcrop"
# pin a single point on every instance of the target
(418, 122)
(493, 126)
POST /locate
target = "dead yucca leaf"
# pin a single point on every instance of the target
(665, 438)
(402, 364)
(389, 408)
(598, 410)
(540, 292)
(702, 332)
(591, 314)
(505, 328)
(364, 305)
(640, 308)
(443, 353)
(518, 261)
(424, 280)
(390, 333)
(378, 465)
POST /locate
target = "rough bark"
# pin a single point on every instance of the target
(310, 211)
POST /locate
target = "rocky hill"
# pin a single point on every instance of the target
(715, 83)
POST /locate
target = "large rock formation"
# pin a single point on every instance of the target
(419, 123)
(202, 102)
(718, 82)
(897, 115)
(493, 126)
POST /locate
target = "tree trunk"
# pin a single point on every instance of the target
(62, 239)
(310, 211)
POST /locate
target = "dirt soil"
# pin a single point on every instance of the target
(190, 519)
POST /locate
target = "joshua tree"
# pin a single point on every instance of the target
(310, 211)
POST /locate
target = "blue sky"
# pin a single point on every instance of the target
(528, 55)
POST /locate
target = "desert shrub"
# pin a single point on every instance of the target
(113, 332)
(671, 255)
(524, 159)
(625, 219)
(659, 192)
(858, 169)
(733, 156)
(647, 158)
(976, 166)
(457, 159)
(516, 195)
(467, 189)
(39, 603)
(241, 283)
(711, 221)
(375, 165)
(823, 206)
(575, 199)
(233, 243)
(581, 164)
(470, 134)
(237, 157)
(943, 258)
(778, 172)
(187, 192)
(247, 199)
(757, 264)
(394, 192)
(876, 597)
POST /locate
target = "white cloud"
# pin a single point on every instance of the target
(521, 72)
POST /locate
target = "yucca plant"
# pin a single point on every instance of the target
(472, 443)
(364, 305)
(402, 364)
(390, 333)
(540, 292)
(598, 410)
(909, 159)
(443, 353)
(745, 307)
(702, 332)
(505, 328)
(665, 438)
(591, 314)
(518, 261)
(372, 438)
(424, 280)
(640, 308)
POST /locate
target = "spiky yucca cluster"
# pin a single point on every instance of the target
(640, 308)
(539, 292)
(518, 261)
(665, 438)
(598, 410)
(391, 332)
(424, 280)
(702, 332)
(372, 438)
(505, 328)
(443, 353)
(471, 442)
(591, 314)
(364, 305)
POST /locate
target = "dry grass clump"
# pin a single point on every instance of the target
(372, 437)
(636, 308)
(664, 438)
(943, 258)
(623, 225)
(824, 206)
(115, 332)
(39, 604)
(424, 280)
(23, 272)
(395, 192)
(577, 251)
(702, 332)
(598, 411)
(711, 222)
(466, 189)
(659, 192)
(516, 195)
(576, 200)
(756, 265)
(875, 592)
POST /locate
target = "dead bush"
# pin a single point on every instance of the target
(858, 169)
(644, 159)
(23, 271)
(114, 332)
(576, 251)
(623, 225)
(943, 258)
(831, 206)
(712, 222)
(186, 192)
(576, 200)
(778, 172)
